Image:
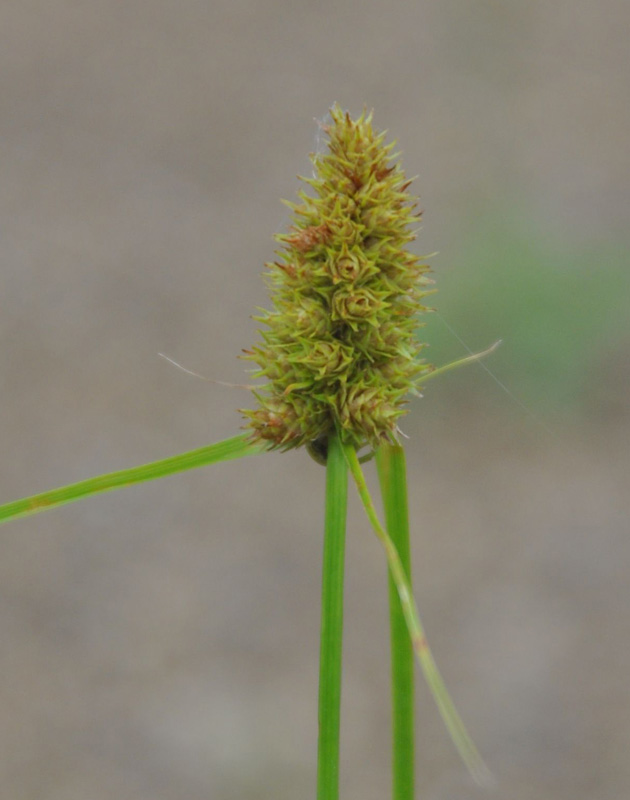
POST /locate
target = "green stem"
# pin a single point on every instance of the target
(332, 623)
(220, 451)
(462, 741)
(390, 460)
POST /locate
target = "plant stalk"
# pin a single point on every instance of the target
(462, 741)
(390, 460)
(332, 622)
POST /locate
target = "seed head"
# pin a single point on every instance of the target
(339, 349)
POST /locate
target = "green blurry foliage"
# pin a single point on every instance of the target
(561, 312)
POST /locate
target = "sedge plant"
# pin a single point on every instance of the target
(340, 357)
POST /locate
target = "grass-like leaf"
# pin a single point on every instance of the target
(228, 449)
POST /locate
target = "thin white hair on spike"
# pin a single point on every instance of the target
(204, 378)
(320, 132)
(321, 126)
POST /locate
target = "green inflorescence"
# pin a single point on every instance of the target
(340, 350)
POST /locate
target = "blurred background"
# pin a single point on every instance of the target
(162, 642)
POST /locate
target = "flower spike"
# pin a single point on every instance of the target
(339, 350)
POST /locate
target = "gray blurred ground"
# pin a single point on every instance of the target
(162, 642)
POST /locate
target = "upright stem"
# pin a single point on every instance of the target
(390, 461)
(461, 739)
(332, 622)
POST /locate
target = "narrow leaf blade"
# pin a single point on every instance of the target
(461, 739)
(226, 450)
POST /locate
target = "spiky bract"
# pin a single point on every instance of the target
(340, 348)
